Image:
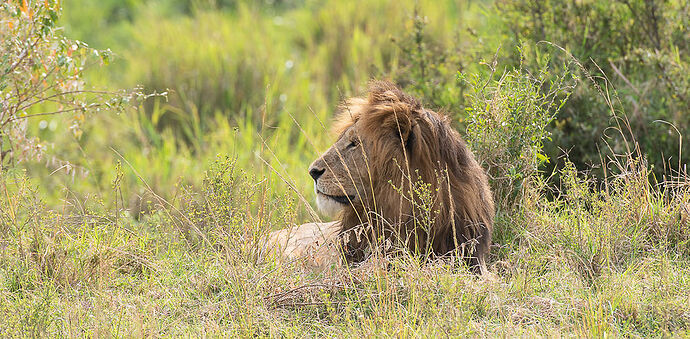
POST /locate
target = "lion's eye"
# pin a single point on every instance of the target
(352, 144)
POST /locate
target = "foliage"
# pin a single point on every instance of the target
(42, 75)
(641, 46)
(192, 57)
(507, 122)
(428, 67)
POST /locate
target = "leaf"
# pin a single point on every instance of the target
(543, 159)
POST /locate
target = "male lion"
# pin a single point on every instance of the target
(398, 175)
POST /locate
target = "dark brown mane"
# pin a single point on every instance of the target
(413, 145)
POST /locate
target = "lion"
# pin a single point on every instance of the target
(399, 176)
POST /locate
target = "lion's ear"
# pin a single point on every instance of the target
(413, 137)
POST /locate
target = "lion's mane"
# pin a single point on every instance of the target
(462, 208)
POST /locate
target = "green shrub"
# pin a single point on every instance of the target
(642, 47)
(507, 123)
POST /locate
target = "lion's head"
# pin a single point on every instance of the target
(403, 173)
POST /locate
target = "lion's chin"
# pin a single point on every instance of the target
(328, 205)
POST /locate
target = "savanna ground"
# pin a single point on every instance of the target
(142, 167)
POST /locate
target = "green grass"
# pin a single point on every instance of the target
(156, 231)
(583, 265)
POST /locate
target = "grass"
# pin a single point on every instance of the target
(583, 264)
(158, 230)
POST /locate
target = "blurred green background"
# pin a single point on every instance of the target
(259, 80)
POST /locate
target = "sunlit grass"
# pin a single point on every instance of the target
(576, 266)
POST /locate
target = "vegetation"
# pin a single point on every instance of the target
(128, 213)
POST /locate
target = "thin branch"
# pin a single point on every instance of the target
(48, 98)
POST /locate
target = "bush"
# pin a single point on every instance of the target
(641, 46)
(507, 122)
(42, 75)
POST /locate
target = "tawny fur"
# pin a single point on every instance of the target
(313, 244)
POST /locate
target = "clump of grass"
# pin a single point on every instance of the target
(610, 228)
(59, 264)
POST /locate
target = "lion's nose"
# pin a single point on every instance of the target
(316, 172)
